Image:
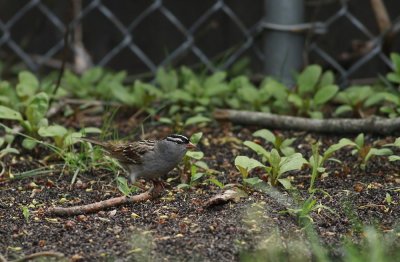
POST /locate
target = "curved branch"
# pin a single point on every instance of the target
(336, 125)
(112, 202)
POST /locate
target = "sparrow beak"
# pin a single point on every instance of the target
(190, 146)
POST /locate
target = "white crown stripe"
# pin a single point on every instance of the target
(177, 139)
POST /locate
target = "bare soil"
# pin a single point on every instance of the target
(176, 226)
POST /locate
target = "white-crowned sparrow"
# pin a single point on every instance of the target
(147, 158)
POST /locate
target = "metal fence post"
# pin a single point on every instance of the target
(283, 48)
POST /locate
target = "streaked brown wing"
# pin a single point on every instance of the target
(133, 152)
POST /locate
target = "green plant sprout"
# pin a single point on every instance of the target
(365, 152)
(354, 99)
(313, 90)
(25, 211)
(280, 143)
(277, 164)
(316, 161)
(122, 184)
(395, 144)
(195, 155)
(308, 206)
(194, 178)
(245, 165)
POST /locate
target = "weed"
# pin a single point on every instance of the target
(365, 151)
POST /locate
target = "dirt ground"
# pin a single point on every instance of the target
(177, 227)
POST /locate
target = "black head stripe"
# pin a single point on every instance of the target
(179, 139)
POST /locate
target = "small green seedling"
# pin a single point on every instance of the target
(365, 152)
(395, 144)
(245, 165)
(194, 178)
(280, 144)
(196, 155)
(388, 198)
(277, 164)
(25, 211)
(313, 90)
(122, 184)
(308, 206)
(316, 161)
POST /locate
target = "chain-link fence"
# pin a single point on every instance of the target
(352, 37)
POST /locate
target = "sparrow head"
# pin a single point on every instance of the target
(180, 140)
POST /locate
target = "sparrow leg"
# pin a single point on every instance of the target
(157, 188)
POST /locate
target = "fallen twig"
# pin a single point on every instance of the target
(95, 207)
(337, 125)
(112, 202)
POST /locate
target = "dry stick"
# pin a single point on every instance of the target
(337, 125)
(95, 207)
(112, 202)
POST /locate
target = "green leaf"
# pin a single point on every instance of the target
(275, 88)
(29, 143)
(360, 140)
(167, 80)
(291, 163)
(325, 94)
(253, 181)
(25, 211)
(165, 120)
(296, 100)
(53, 131)
(195, 154)
(274, 158)
(216, 182)
(8, 113)
(328, 78)
(396, 62)
(394, 158)
(308, 79)
(287, 142)
(342, 143)
(195, 138)
(377, 98)
(343, 109)
(92, 75)
(257, 148)
(183, 185)
(196, 120)
(247, 163)
(197, 176)
(37, 108)
(266, 134)
(316, 114)
(288, 151)
(28, 84)
(10, 150)
(393, 77)
(123, 185)
(90, 130)
(285, 183)
(202, 165)
(215, 79)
